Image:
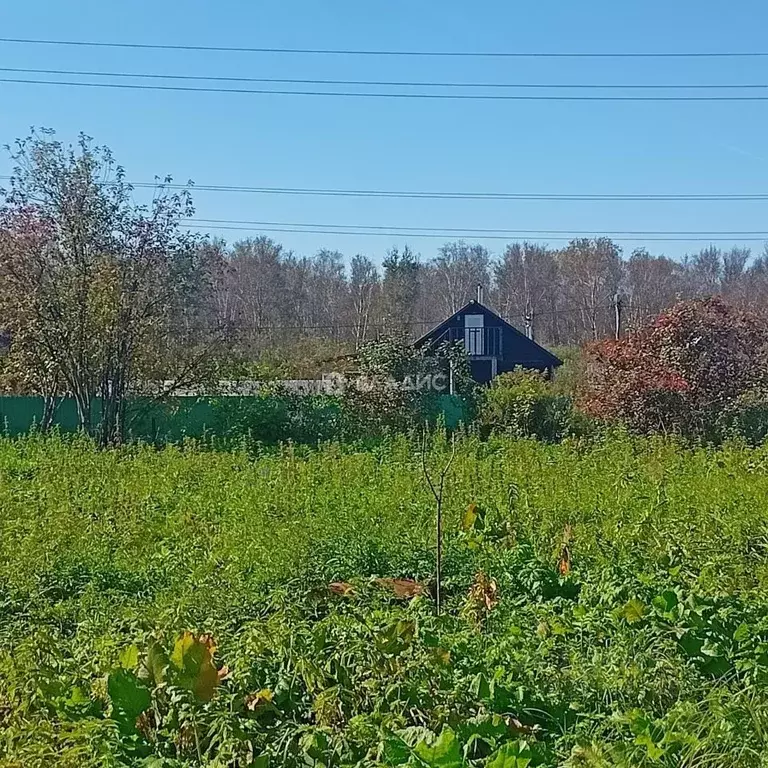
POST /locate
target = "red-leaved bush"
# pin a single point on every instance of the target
(686, 371)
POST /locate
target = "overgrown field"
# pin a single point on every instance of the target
(604, 605)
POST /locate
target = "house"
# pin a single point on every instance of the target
(492, 344)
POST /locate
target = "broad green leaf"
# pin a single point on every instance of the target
(157, 663)
(315, 746)
(711, 649)
(482, 734)
(130, 697)
(479, 687)
(129, 657)
(394, 751)
(487, 726)
(469, 517)
(633, 611)
(638, 721)
(395, 638)
(741, 633)
(181, 649)
(666, 601)
(77, 697)
(717, 666)
(444, 752)
(579, 612)
(513, 754)
(193, 658)
(655, 752)
(691, 644)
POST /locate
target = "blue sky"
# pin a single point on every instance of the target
(275, 141)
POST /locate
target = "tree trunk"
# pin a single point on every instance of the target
(50, 406)
(49, 411)
(84, 414)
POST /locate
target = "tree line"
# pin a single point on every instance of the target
(560, 296)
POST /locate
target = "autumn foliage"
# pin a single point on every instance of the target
(694, 365)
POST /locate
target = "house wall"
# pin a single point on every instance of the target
(481, 370)
(517, 349)
(519, 352)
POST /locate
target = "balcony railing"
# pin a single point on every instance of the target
(478, 342)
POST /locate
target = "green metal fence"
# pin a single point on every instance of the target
(169, 421)
(178, 418)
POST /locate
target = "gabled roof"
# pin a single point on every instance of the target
(474, 306)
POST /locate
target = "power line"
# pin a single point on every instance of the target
(465, 195)
(373, 95)
(494, 230)
(359, 52)
(512, 318)
(296, 229)
(386, 83)
(433, 195)
(238, 325)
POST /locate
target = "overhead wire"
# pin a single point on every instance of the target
(383, 52)
(380, 95)
(447, 235)
(259, 327)
(385, 83)
(494, 230)
(434, 195)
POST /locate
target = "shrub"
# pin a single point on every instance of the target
(569, 375)
(390, 397)
(747, 421)
(276, 415)
(523, 404)
(686, 372)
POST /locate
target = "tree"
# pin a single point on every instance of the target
(756, 280)
(591, 273)
(402, 386)
(526, 282)
(653, 283)
(458, 269)
(400, 288)
(257, 282)
(705, 270)
(92, 286)
(686, 371)
(213, 258)
(734, 271)
(327, 291)
(363, 285)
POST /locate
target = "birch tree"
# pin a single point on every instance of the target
(92, 285)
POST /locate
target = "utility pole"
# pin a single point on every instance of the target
(529, 324)
(617, 306)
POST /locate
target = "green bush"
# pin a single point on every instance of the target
(523, 404)
(747, 421)
(276, 415)
(385, 399)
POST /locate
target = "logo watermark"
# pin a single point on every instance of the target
(420, 382)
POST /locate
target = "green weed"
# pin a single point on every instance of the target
(604, 604)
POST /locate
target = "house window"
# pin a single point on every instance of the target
(474, 335)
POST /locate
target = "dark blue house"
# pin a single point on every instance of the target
(492, 344)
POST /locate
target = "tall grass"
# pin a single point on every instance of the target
(102, 550)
